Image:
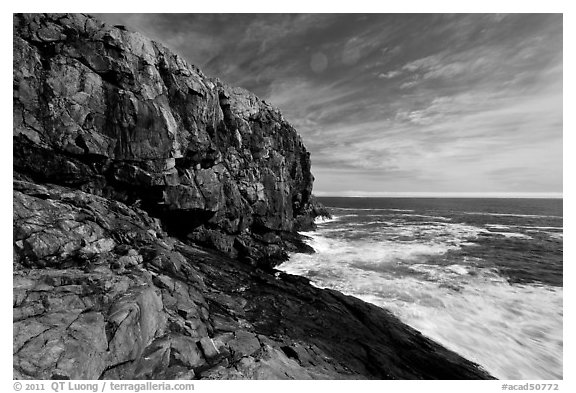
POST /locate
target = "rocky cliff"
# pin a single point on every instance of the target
(130, 165)
(114, 114)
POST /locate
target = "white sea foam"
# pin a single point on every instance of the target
(512, 235)
(544, 228)
(427, 216)
(497, 226)
(374, 253)
(323, 220)
(555, 235)
(446, 232)
(514, 331)
(528, 228)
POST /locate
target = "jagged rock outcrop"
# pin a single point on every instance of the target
(113, 113)
(101, 291)
(125, 160)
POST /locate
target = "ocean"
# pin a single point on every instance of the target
(483, 277)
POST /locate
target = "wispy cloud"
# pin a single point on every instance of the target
(390, 74)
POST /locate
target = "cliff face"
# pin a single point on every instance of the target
(112, 113)
(126, 157)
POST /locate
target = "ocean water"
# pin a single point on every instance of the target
(481, 276)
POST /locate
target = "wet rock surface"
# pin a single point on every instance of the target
(130, 168)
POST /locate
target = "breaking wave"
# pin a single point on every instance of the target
(433, 275)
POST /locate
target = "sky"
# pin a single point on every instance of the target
(396, 104)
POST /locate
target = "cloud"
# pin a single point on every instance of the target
(390, 74)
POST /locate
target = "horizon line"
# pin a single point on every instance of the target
(424, 194)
